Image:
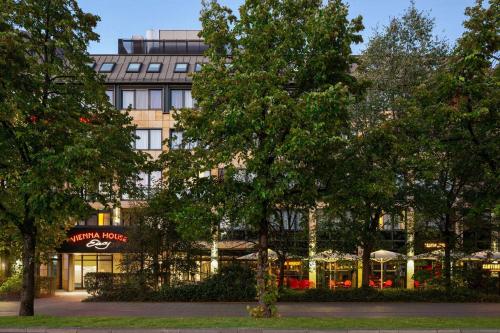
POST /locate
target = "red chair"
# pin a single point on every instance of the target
(416, 284)
(304, 284)
(332, 284)
(387, 284)
(293, 283)
(347, 284)
(372, 284)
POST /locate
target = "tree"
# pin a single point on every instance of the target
(367, 179)
(453, 134)
(62, 144)
(271, 99)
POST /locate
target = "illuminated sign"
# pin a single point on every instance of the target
(434, 245)
(94, 239)
(492, 267)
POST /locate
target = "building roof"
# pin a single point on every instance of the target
(166, 75)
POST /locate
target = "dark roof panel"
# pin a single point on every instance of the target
(166, 75)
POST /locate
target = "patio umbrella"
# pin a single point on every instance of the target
(484, 255)
(333, 256)
(383, 256)
(254, 256)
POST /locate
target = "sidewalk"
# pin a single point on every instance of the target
(240, 330)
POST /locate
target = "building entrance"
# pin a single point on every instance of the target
(91, 263)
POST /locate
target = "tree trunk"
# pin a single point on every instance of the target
(447, 252)
(367, 269)
(27, 306)
(281, 276)
(262, 266)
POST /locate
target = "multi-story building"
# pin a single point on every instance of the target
(152, 76)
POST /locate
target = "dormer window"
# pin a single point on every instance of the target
(107, 67)
(134, 67)
(90, 65)
(181, 68)
(197, 67)
(154, 67)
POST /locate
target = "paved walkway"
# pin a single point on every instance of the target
(238, 330)
(70, 304)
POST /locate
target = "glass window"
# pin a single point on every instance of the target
(111, 96)
(155, 99)
(197, 67)
(90, 65)
(107, 67)
(154, 67)
(176, 99)
(176, 139)
(134, 67)
(128, 99)
(181, 68)
(154, 178)
(141, 99)
(155, 142)
(188, 99)
(142, 142)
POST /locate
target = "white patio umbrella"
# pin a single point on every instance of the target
(484, 255)
(383, 256)
(254, 256)
(333, 256)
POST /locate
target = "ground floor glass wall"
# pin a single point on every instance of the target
(92, 263)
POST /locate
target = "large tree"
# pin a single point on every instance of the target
(367, 178)
(271, 99)
(62, 143)
(453, 134)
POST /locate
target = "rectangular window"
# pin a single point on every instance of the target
(155, 99)
(180, 99)
(147, 182)
(148, 139)
(134, 67)
(111, 96)
(181, 68)
(141, 99)
(154, 67)
(107, 67)
(176, 139)
(128, 99)
(197, 67)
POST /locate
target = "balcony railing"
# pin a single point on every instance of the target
(141, 46)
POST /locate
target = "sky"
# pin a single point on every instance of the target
(124, 18)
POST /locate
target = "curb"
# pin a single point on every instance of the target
(235, 330)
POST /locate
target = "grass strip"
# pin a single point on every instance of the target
(243, 322)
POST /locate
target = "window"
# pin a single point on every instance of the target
(134, 67)
(142, 99)
(147, 139)
(197, 67)
(111, 96)
(107, 67)
(180, 99)
(155, 99)
(177, 141)
(100, 218)
(181, 68)
(147, 182)
(90, 65)
(154, 67)
(128, 99)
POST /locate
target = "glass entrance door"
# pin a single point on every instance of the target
(91, 263)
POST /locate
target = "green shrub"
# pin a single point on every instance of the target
(12, 285)
(118, 287)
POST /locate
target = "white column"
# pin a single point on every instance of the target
(214, 251)
(312, 246)
(410, 246)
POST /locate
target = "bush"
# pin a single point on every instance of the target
(11, 286)
(388, 295)
(232, 283)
